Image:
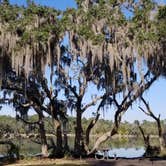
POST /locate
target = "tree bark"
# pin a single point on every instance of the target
(65, 137)
(146, 138)
(57, 125)
(160, 133)
(103, 138)
(44, 146)
(89, 128)
(1, 71)
(162, 143)
(79, 142)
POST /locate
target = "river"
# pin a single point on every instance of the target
(121, 147)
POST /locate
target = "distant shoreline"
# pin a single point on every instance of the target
(73, 135)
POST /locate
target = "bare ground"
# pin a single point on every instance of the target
(90, 162)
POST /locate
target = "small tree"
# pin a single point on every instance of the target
(149, 112)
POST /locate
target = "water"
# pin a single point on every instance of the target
(128, 153)
(124, 152)
(1, 156)
(129, 148)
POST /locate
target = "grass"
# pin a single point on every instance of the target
(50, 162)
(163, 154)
(88, 162)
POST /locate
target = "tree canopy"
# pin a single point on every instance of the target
(105, 47)
(98, 30)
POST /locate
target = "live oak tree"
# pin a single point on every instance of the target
(97, 28)
(32, 93)
(30, 41)
(107, 38)
(75, 80)
(29, 37)
(116, 48)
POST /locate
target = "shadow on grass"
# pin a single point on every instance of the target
(102, 163)
(60, 165)
(6, 161)
(98, 163)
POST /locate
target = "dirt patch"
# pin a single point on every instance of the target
(90, 162)
(127, 162)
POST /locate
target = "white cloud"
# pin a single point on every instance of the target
(161, 2)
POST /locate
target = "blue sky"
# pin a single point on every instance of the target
(156, 95)
(59, 4)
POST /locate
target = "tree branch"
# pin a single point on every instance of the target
(150, 113)
(121, 110)
(144, 111)
(73, 91)
(27, 104)
(146, 138)
(93, 102)
(82, 85)
(90, 126)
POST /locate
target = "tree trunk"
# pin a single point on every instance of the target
(106, 136)
(58, 150)
(79, 142)
(160, 133)
(162, 143)
(44, 149)
(65, 138)
(157, 119)
(57, 127)
(146, 138)
(1, 71)
(109, 134)
(103, 138)
(89, 128)
(58, 136)
(44, 146)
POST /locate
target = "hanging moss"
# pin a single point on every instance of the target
(98, 39)
(85, 31)
(37, 30)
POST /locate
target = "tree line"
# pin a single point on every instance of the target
(10, 125)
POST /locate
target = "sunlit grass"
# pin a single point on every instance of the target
(163, 154)
(50, 162)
